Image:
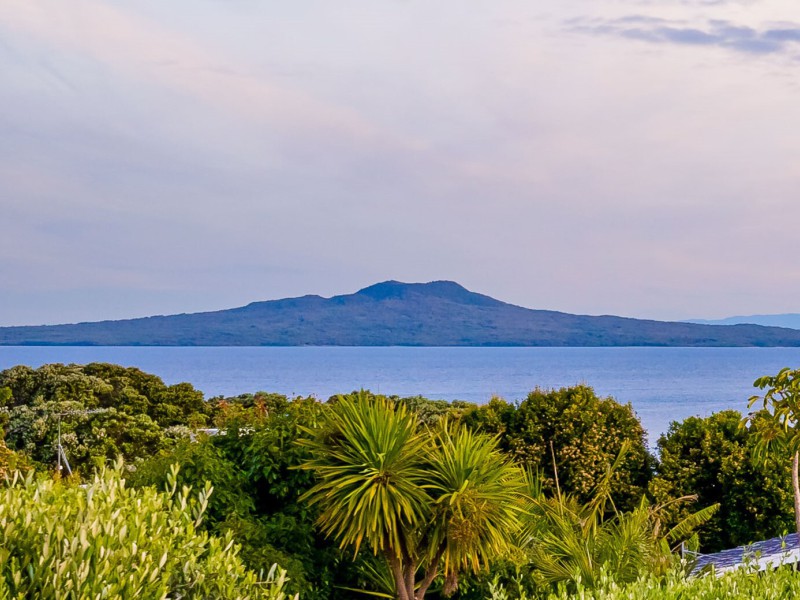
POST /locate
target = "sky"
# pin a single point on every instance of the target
(630, 157)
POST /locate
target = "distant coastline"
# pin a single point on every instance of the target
(439, 313)
(788, 320)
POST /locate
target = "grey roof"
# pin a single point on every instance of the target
(760, 555)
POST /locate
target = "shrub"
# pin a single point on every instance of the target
(252, 467)
(104, 411)
(738, 585)
(104, 540)
(712, 458)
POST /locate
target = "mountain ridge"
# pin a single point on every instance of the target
(393, 313)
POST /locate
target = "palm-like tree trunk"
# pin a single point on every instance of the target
(396, 566)
(796, 489)
(405, 580)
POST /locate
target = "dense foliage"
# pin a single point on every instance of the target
(712, 458)
(568, 542)
(775, 427)
(104, 411)
(105, 540)
(576, 430)
(780, 584)
(253, 467)
(311, 485)
(429, 500)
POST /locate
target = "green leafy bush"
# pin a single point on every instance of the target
(712, 458)
(252, 466)
(105, 540)
(105, 411)
(586, 433)
(739, 585)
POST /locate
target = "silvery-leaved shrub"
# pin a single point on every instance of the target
(102, 540)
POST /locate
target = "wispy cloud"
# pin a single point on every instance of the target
(717, 33)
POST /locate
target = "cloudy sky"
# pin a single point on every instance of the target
(633, 157)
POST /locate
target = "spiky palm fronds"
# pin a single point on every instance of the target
(477, 498)
(367, 458)
(568, 541)
(430, 501)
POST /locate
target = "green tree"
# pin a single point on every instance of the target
(428, 412)
(776, 426)
(102, 385)
(105, 411)
(586, 434)
(91, 439)
(428, 501)
(199, 462)
(712, 458)
(5, 396)
(252, 466)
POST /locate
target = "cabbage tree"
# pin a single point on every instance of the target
(429, 501)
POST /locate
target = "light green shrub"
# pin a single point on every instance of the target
(739, 585)
(104, 540)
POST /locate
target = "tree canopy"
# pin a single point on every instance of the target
(712, 458)
(104, 411)
(577, 430)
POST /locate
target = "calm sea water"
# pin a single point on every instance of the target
(662, 384)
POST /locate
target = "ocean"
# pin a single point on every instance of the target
(662, 384)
